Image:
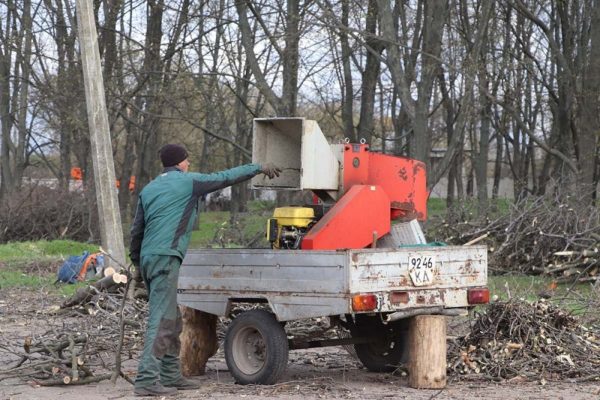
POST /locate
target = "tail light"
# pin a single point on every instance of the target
(399, 297)
(364, 302)
(478, 296)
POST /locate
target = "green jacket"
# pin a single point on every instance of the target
(168, 206)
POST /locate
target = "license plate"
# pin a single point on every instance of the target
(421, 269)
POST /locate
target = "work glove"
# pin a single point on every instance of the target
(270, 170)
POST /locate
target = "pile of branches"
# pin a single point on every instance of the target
(539, 235)
(534, 341)
(80, 342)
(39, 212)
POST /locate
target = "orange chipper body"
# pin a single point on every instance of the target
(377, 188)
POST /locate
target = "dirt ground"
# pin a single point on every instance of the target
(311, 382)
(327, 373)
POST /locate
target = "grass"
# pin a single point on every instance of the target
(215, 227)
(16, 258)
(17, 278)
(572, 297)
(210, 222)
(437, 207)
(25, 251)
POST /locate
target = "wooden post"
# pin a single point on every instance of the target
(111, 230)
(427, 355)
(198, 340)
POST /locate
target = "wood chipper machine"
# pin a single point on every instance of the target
(355, 254)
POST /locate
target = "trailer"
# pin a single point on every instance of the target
(370, 292)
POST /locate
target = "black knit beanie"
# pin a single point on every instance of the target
(172, 154)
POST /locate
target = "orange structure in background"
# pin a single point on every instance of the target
(77, 175)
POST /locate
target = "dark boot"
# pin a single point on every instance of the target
(154, 390)
(184, 384)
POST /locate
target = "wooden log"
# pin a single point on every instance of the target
(108, 271)
(477, 239)
(198, 340)
(427, 356)
(85, 293)
(116, 277)
(123, 279)
(67, 380)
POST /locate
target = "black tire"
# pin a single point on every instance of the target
(383, 356)
(256, 348)
(386, 353)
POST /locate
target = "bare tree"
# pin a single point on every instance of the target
(16, 41)
(288, 17)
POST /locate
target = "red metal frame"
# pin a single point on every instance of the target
(377, 188)
(403, 179)
(352, 222)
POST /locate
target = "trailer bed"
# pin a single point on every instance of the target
(303, 284)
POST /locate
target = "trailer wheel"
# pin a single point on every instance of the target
(256, 348)
(386, 353)
(382, 356)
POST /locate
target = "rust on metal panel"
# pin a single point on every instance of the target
(402, 174)
(442, 294)
(408, 210)
(433, 298)
(468, 272)
(467, 268)
(403, 205)
(402, 282)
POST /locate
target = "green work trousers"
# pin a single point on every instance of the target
(160, 357)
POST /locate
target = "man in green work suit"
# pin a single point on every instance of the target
(160, 234)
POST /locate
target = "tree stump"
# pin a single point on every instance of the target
(427, 355)
(198, 340)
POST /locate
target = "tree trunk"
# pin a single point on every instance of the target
(23, 58)
(435, 18)
(348, 89)
(6, 119)
(147, 145)
(498, 166)
(590, 125)
(199, 340)
(290, 59)
(370, 75)
(482, 156)
(427, 355)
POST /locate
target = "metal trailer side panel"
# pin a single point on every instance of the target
(456, 269)
(297, 284)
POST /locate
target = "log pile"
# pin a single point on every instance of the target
(78, 343)
(537, 236)
(530, 341)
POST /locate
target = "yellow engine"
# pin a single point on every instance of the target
(288, 225)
